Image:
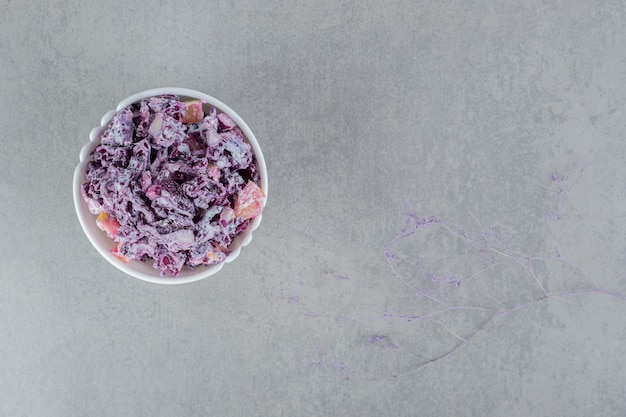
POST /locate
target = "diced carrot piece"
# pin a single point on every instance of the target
(249, 201)
(108, 223)
(116, 252)
(193, 112)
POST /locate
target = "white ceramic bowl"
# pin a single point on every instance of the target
(145, 271)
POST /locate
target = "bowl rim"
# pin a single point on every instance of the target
(85, 218)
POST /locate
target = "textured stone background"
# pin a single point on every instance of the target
(460, 108)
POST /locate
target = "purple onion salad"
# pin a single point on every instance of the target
(172, 184)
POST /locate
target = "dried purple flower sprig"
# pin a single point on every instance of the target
(439, 295)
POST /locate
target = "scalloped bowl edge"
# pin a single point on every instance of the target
(103, 244)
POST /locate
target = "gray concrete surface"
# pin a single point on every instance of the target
(366, 111)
